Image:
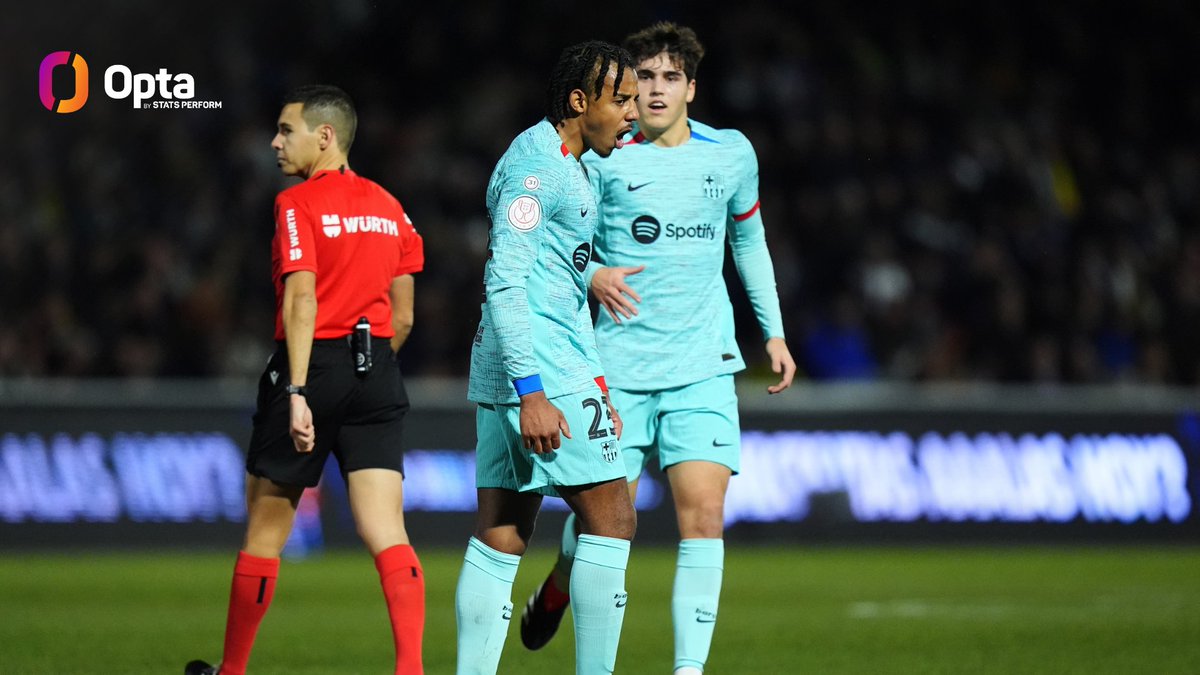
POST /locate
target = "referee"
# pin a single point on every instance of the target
(343, 257)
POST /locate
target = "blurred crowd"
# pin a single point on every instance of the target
(989, 191)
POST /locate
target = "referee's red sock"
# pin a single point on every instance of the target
(249, 597)
(403, 584)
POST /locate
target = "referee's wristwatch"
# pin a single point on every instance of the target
(297, 389)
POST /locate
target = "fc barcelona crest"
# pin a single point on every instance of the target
(609, 448)
(714, 187)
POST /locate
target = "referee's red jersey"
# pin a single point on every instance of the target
(356, 237)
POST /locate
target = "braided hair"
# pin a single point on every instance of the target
(583, 66)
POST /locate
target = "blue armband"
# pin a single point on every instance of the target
(528, 384)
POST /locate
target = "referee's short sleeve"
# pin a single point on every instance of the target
(294, 242)
(412, 247)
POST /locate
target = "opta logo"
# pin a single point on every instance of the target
(120, 82)
(582, 255)
(79, 92)
(646, 229)
(161, 91)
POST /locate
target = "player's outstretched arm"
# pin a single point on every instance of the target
(782, 363)
(541, 423)
(611, 290)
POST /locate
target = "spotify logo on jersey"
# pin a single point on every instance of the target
(646, 229)
(582, 255)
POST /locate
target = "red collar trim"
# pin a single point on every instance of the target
(565, 150)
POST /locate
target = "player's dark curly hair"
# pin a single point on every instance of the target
(678, 41)
(327, 104)
(583, 66)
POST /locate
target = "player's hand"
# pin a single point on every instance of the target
(304, 434)
(610, 289)
(617, 425)
(782, 363)
(541, 423)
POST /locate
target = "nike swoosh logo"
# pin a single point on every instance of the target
(720, 445)
(631, 187)
(622, 603)
(703, 620)
(583, 213)
(507, 615)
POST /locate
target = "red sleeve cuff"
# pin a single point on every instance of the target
(302, 267)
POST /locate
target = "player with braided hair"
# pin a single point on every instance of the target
(543, 420)
(587, 63)
(668, 203)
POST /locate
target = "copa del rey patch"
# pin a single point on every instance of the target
(524, 213)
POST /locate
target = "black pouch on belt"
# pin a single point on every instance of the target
(360, 344)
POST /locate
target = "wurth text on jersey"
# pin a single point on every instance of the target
(333, 225)
(294, 252)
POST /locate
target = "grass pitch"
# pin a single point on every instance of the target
(783, 611)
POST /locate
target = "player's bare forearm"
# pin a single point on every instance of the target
(781, 363)
(401, 293)
(400, 338)
(302, 430)
(299, 322)
(541, 423)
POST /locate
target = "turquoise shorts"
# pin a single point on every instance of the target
(591, 455)
(697, 421)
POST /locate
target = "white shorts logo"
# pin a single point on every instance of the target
(524, 213)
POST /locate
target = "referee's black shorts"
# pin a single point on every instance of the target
(360, 419)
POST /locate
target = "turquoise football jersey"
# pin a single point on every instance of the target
(672, 209)
(535, 319)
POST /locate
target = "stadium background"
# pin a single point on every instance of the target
(984, 224)
(988, 191)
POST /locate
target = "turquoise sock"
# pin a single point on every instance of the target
(483, 607)
(598, 602)
(566, 550)
(694, 599)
